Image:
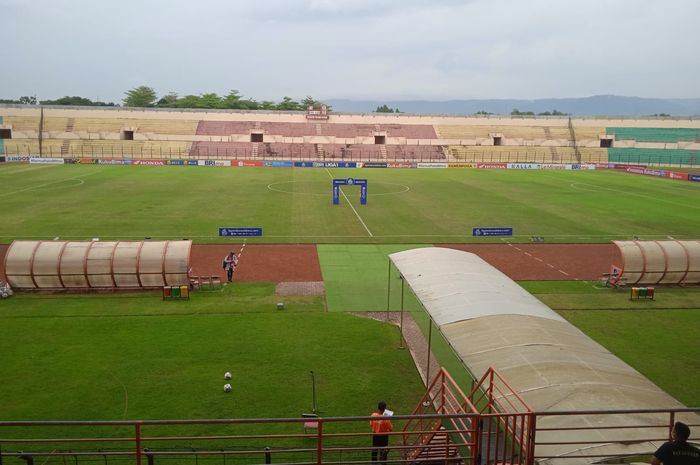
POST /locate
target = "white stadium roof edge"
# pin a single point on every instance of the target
(490, 321)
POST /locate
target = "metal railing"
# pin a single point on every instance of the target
(340, 440)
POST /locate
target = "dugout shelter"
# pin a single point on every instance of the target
(86, 265)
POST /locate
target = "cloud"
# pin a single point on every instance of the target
(440, 49)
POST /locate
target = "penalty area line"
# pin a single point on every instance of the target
(351, 206)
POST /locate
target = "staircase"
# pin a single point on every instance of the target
(319, 130)
(382, 151)
(451, 429)
(65, 148)
(254, 152)
(65, 145)
(577, 152)
(319, 152)
(553, 152)
(438, 448)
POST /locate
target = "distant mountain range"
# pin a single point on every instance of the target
(597, 105)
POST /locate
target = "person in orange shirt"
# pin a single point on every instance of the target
(380, 434)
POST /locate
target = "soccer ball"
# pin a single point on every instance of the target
(227, 375)
(227, 388)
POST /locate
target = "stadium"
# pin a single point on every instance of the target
(518, 289)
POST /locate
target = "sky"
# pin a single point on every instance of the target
(351, 49)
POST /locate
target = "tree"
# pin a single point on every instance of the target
(315, 104)
(28, 100)
(75, 100)
(142, 96)
(552, 113)
(287, 104)
(168, 101)
(517, 112)
(384, 109)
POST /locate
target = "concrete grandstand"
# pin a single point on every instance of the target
(82, 132)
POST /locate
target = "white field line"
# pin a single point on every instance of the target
(351, 206)
(5, 194)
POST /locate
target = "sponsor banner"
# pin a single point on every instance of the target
(522, 166)
(430, 165)
(327, 164)
(368, 164)
(114, 162)
(278, 164)
(674, 175)
(500, 166)
(192, 162)
(342, 164)
(247, 163)
(87, 161)
(46, 161)
(2, 159)
(478, 232)
(71, 161)
(18, 158)
(634, 169)
(149, 162)
(461, 165)
(205, 162)
(222, 162)
(693, 177)
(650, 172)
(176, 162)
(237, 232)
(553, 166)
(588, 166)
(401, 165)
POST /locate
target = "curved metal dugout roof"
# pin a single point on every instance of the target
(490, 321)
(455, 286)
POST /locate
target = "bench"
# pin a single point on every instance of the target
(211, 282)
(638, 293)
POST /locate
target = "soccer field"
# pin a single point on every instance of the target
(295, 205)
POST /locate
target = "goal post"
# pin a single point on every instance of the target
(349, 182)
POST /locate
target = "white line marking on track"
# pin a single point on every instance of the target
(563, 272)
(528, 254)
(551, 266)
(538, 259)
(351, 206)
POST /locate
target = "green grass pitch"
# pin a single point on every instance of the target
(81, 357)
(295, 205)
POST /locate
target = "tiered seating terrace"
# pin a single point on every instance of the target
(509, 132)
(50, 147)
(654, 134)
(654, 156)
(128, 149)
(160, 126)
(22, 123)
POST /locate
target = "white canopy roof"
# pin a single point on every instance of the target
(490, 321)
(455, 286)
